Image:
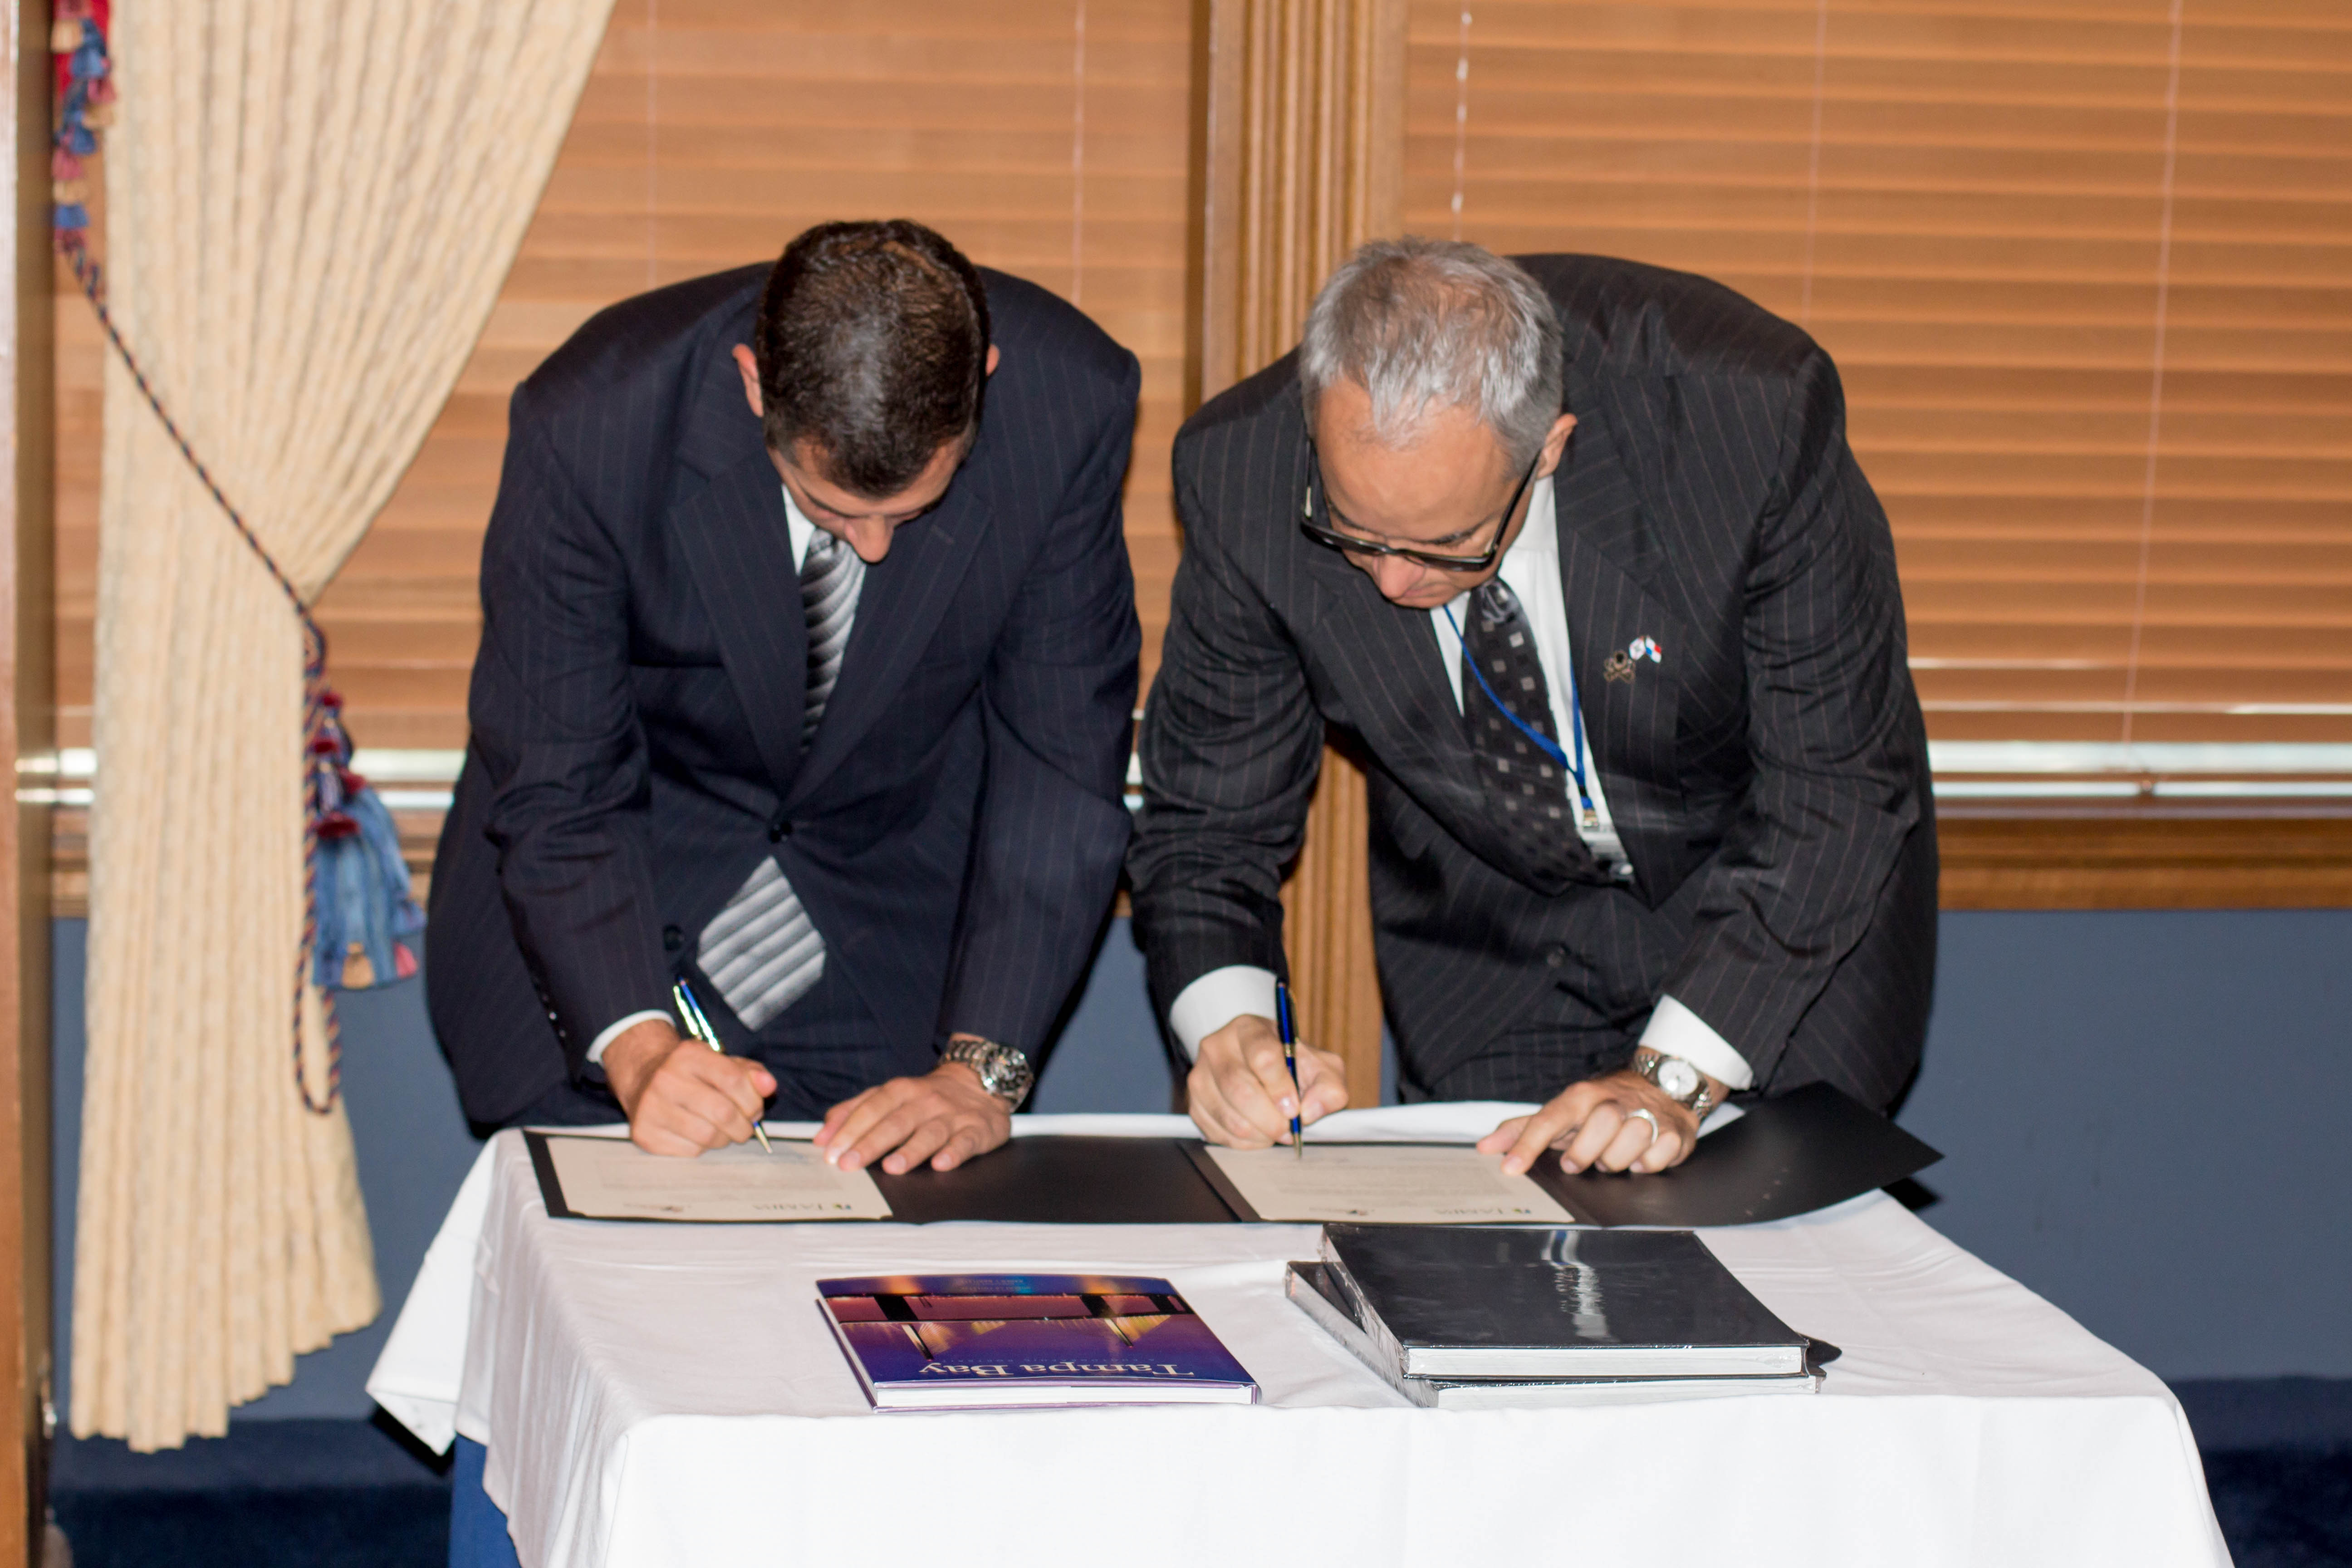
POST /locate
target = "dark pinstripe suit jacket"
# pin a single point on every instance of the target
(1768, 778)
(954, 829)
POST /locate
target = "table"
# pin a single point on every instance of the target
(667, 1395)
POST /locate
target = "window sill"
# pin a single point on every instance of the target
(2098, 856)
(2224, 855)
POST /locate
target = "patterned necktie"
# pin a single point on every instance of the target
(1527, 789)
(830, 579)
(762, 952)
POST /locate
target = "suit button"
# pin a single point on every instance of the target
(779, 830)
(1556, 956)
(673, 939)
(550, 1017)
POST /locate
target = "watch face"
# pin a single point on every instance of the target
(1677, 1078)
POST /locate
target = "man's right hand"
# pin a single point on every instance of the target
(1240, 1091)
(681, 1095)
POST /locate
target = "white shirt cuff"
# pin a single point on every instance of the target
(1674, 1030)
(612, 1032)
(1216, 999)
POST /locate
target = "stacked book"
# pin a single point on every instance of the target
(994, 1342)
(1498, 1317)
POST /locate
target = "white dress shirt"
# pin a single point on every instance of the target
(802, 530)
(1532, 570)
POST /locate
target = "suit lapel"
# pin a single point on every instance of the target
(901, 604)
(1386, 664)
(1605, 556)
(740, 548)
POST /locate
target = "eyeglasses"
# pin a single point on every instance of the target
(1352, 544)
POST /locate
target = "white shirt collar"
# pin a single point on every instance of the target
(801, 529)
(1541, 534)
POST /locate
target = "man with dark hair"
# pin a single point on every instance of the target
(808, 651)
(1575, 552)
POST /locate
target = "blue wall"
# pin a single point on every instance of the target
(2139, 1111)
(2143, 1119)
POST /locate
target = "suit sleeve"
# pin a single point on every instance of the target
(1231, 747)
(1833, 734)
(1058, 706)
(557, 732)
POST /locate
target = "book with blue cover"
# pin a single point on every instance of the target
(992, 1341)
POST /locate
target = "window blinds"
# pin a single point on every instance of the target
(2087, 268)
(1047, 139)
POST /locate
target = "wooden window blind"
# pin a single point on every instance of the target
(1047, 139)
(2085, 265)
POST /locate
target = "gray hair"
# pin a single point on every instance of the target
(1425, 324)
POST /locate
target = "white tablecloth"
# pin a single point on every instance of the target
(655, 1394)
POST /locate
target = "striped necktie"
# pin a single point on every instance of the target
(761, 952)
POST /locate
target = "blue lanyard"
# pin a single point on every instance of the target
(1550, 747)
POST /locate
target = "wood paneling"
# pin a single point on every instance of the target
(27, 737)
(1049, 140)
(1300, 135)
(2089, 281)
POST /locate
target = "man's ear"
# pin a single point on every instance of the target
(995, 354)
(1555, 443)
(751, 368)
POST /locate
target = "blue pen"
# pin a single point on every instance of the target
(1290, 1060)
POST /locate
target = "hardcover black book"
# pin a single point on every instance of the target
(1315, 1290)
(1536, 1302)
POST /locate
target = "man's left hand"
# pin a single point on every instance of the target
(944, 1116)
(1593, 1124)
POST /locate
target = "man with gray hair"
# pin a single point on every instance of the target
(1572, 554)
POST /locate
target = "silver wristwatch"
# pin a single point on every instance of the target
(1004, 1071)
(1682, 1082)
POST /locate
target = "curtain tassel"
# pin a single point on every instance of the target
(366, 913)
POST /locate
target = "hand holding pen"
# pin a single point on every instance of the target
(1249, 1085)
(689, 1012)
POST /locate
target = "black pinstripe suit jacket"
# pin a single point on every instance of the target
(1769, 777)
(955, 826)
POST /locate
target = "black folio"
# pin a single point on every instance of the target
(1804, 1151)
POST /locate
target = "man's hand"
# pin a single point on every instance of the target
(681, 1095)
(1240, 1091)
(944, 1116)
(1592, 1123)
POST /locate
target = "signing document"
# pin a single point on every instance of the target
(1384, 1184)
(610, 1178)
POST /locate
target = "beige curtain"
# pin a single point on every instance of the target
(312, 205)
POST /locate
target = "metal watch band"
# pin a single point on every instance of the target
(1647, 1061)
(1004, 1070)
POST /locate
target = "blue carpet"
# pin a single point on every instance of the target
(2278, 1460)
(271, 1494)
(349, 1494)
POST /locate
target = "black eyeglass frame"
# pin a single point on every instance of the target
(1349, 544)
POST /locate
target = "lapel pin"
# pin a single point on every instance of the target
(1620, 666)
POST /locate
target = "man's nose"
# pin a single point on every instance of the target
(870, 537)
(1395, 576)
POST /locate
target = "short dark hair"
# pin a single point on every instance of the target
(872, 343)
